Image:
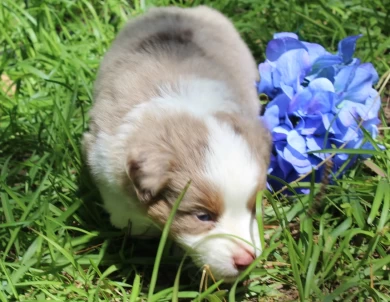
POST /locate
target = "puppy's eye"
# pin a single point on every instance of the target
(204, 217)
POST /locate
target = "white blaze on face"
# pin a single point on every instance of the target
(231, 167)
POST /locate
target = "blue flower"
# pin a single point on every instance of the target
(317, 100)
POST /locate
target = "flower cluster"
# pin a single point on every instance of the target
(318, 99)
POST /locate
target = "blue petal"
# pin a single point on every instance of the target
(371, 108)
(350, 112)
(370, 69)
(275, 110)
(348, 133)
(299, 124)
(290, 66)
(315, 143)
(314, 50)
(312, 125)
(325, 66)
(288, 90)
(285, 34)
(300, 102)
(330, 123)
(295, 152)
(300, 164)
(314, 161)
(295, 140)
(277, 47)
(282, 101)
(346, 48)
(321, 84)
(325, 61)
(279, 172)
(371, 127)
(321, 102)
(285, 166)
(279, 147)
(280, 133)
(344, 78)
(327, 73)
(359, 88)
(356, 142)
(266, 86)
(340, 158)
(316, 99)
(288, 122)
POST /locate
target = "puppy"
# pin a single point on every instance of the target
(174, 101)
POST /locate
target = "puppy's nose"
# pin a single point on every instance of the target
(243, 259)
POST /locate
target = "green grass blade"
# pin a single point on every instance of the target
(293, 256)
(163, 239)
(380, 193)
(136, 288)
(385, 214)
(260, 218)
(310, 276)
(349, 151)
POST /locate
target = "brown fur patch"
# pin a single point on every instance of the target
(164, 155)
(200, 198)
(183, 223)
(208, 199)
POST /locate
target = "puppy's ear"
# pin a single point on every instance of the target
(149, 174)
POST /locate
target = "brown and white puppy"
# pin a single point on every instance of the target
(175, 100)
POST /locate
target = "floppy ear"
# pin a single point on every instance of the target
(149, 174)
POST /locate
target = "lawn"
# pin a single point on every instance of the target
(56, 242)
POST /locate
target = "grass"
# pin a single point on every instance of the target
(55, 240)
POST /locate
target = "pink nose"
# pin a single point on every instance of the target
(243, 259)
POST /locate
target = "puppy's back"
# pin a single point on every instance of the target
(169, 30)
(167, 44)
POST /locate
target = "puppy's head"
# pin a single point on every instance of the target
(226, 159)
